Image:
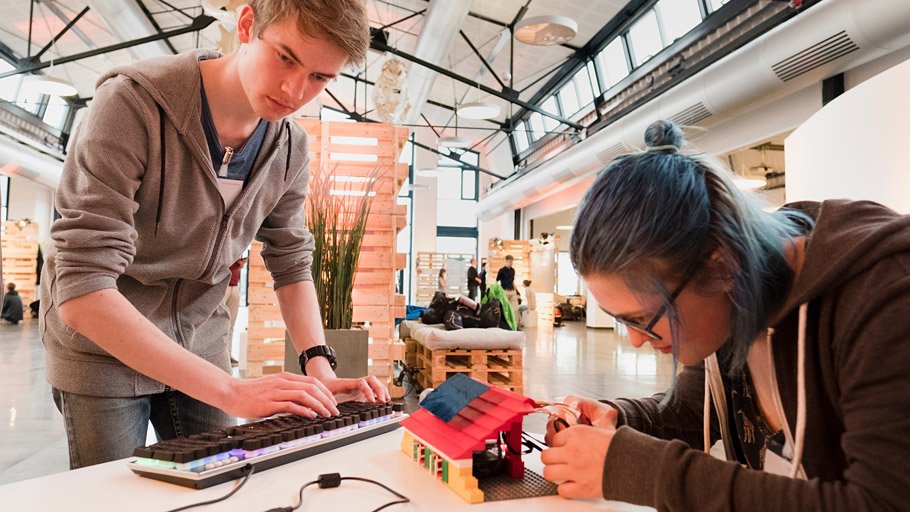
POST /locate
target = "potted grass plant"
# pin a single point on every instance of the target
(337, 210)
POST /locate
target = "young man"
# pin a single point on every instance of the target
(473, 281)
(179, 163)
(12, 305)
(506, 278)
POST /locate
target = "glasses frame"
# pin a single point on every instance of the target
(648, 329)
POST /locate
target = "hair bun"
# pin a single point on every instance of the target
(664, 135)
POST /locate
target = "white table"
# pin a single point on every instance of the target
(112, 486)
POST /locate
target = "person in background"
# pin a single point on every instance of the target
(473, 281)
(506, 278)
(12, 305)
(232, 300)
(793, 331)
(441, 281)
(529, 304)
(483, 277)
(164, 188)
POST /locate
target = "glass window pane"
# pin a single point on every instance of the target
(9, 86)
(520, 135)
(471, 157)
(613, 64)
(569, 99)
(537, 127)
(29, 99)
(583, 87)
(644, 37)
(456, 245)
(56, 111)
(716, 4)
(552, 107)
(468, 184)
(679, 17)
(455, 212)
(593, 75)
(448, 185)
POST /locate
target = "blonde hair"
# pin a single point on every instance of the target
(342, 22)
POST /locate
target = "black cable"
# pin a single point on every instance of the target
(226, 496)
(330, 480)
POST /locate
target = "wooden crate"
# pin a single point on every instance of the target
(502, 368)
(374, 300)
(20, 258)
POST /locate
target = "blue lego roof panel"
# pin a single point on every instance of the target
(453, 395)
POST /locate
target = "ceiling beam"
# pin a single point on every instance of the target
(199, 22)
(155, 24)
(60, 34)
(511, 96)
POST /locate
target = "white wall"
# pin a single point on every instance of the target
(855, 147)
(29, 200)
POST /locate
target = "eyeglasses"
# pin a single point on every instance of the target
(648, 329)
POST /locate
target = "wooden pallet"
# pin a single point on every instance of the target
(502, 368)
(20, 258)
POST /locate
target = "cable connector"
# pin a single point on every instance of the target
(329, 480)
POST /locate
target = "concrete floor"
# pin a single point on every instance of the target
(558, 361)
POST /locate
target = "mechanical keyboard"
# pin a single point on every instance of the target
(203, 460)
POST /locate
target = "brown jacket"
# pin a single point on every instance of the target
(856, 281)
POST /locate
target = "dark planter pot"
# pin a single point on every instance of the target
(351, 349)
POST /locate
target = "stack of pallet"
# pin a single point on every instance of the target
(427, 269)
(20, 258)
(520, 250)
(265, 336)
(546, 304)
(501, 367)
(353, 151)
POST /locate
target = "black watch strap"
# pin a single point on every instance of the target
(318, 351)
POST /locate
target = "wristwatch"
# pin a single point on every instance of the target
(318, 351)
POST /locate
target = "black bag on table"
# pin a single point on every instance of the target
(491, 314)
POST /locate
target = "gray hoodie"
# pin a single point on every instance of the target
(141, 212)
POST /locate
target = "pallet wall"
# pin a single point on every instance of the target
(356, 149)
(20, 258)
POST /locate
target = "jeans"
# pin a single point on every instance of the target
(102, 429)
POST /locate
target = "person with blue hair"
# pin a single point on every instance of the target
(791, 327)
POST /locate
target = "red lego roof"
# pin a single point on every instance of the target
(491, 412)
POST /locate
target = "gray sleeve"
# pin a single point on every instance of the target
(95, 236)
(287, 243)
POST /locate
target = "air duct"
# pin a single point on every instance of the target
(17, 159)
(127, 21)
(830, 38)
(440, 27)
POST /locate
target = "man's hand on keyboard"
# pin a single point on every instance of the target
(364, 389)
(282, 392)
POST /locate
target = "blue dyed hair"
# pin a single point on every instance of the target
(658, 216)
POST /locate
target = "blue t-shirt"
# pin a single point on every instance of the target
(241, 164)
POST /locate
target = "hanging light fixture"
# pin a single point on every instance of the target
(479, 110)
(455, 141)
(546, 30)
(51, 86)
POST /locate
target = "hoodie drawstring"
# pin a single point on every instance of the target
(287, 163)
(163, 147)
(712, 371)
(800, 435)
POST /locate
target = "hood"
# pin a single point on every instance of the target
(848, 238)
(173, 81)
